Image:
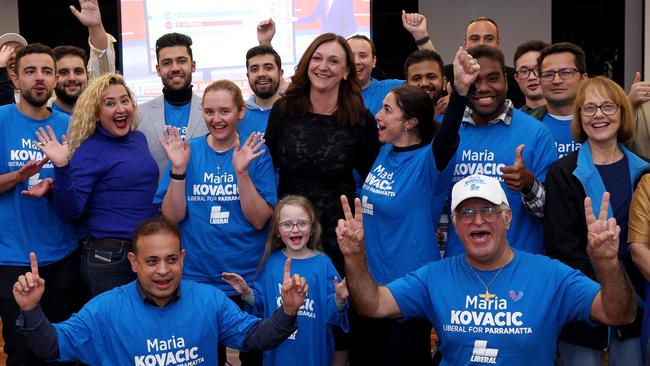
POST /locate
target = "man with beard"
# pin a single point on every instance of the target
(71, 71)
(264, 72)
(423, 69)
(178, 106)
(31, 224)
(500, 141)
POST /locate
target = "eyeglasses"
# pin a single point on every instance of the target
(489, 214)
(565, 74)
(524, 73)
(608, 108)
(302, 225)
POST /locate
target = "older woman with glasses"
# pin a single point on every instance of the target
(602, 122)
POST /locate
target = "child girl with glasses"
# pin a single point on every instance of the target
(295, 234)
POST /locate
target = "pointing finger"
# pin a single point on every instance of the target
(287, 269)
(33, 262)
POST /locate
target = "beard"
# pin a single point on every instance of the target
(36, 101)
(186, 83)
(267, 92)
(436, 95)
(65, 97)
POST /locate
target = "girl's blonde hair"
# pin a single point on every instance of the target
(86, 111)
(274, 241)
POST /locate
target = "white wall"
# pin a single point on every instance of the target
(518, 21)
(9, 16)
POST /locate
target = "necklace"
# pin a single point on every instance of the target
(226, 153)
(487, 296)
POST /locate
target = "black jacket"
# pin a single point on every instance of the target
(565, 239)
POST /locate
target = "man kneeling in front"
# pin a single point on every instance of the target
(157, 319)
(494, 304)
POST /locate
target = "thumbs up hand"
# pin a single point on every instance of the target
(517, 176)
(640, 91)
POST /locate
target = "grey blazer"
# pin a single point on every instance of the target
(152, 122)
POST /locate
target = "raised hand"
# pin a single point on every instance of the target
(243, 155)
(640, 91)
(415, 23)
(30, 168)
(88, 14)
(349, 231)
(294, 290)
(517, 176)
(602, 234)
(237, 282)
(265, 32)
(341, 289)
(29, 288)
(177, 150)
(466, 70)
(50, 146)
(40, 189)
(5, 54)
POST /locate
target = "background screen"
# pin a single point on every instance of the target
(223, 30)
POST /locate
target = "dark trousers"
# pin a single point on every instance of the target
(390, 341)
(104, 268)
(60, 300)
(252, 358)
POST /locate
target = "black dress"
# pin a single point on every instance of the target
(315, 158)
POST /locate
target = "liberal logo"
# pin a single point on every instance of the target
(217, 217)
(482, 354)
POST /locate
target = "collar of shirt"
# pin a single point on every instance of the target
(250, 103)
(505, 116)
(147, 300)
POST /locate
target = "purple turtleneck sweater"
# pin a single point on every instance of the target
(109, 184)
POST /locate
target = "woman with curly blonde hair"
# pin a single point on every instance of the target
(105, 179)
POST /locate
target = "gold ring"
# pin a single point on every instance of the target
(41, 143)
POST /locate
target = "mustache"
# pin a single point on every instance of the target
(264, 78)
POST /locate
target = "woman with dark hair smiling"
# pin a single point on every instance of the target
(320, 131)
(403, 197)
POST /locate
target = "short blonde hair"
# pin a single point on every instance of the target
(609, 90)
(230, 87)
(86, 111)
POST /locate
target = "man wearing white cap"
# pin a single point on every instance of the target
(494, 304)
(10, 43)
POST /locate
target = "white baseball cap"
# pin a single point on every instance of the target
(478, 186)
(12, 37)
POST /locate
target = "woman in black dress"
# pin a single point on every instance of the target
(320, 131)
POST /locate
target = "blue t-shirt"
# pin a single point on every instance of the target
(374, 94)
(403, 197)
(215, 232)
(255, 120)
(531, 299)
(313, 342)
(29, 224)
(55, 107)
(486, 150)
(177, 116)
(561, 131)
(119, 328)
